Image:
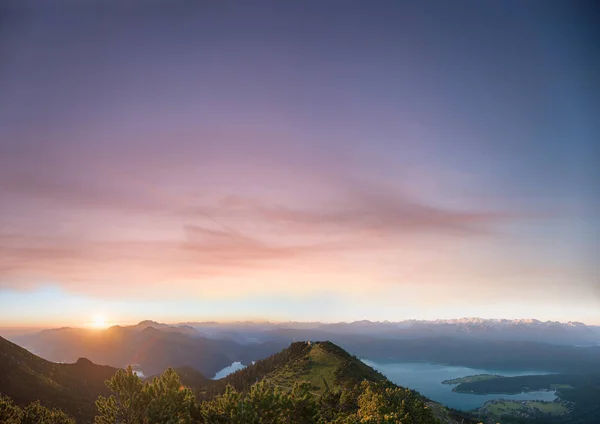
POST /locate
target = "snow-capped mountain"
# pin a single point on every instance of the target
(477, 328)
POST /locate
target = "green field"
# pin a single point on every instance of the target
(471, 379)
(529, 408)
(560, 386)
(553, 408)
(503, 408)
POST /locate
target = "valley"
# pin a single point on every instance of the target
(458, 377)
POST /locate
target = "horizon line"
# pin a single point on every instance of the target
(275, 322)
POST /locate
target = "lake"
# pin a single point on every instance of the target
(236, 366)
(427, 378)
(140, 374)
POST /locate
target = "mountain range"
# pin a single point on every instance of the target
(149, 346)
(24, 378)
(209, 347)
(553, 332)
(65, 379)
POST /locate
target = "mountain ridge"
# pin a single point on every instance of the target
(529, 329)
(150, 347)
(326, 367)
(302, 361)
(72, 387)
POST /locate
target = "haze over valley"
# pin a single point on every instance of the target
(427, 356)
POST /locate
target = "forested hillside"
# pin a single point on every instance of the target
(323, 364)
(73, 388)
(307, 383)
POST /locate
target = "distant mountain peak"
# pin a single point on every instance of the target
(114, 328)
(147, 323)
(150, 329)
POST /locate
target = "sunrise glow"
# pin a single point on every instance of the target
(98, 322)
(299, 162)
(300, 211)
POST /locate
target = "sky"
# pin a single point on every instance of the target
(316, 160)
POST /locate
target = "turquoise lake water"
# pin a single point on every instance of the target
(427, 379)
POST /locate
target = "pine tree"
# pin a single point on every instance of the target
(169, 401)
(9, 412)
(127, 404)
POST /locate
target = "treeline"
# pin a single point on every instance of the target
(34, 413)
(165, 401)
(243, 379)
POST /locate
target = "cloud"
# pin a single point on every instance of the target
(237, 247)
(93, 234)
(372, 210)
(128, 267)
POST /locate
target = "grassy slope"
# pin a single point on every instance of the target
(73, 388)
(323, 364)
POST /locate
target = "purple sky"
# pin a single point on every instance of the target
(330, 160)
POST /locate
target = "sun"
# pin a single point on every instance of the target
(98, 321)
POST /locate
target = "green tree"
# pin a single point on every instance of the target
(128, 403)
(224, 409)
(168, 401)
(328, 405)
(35, 413)
(383, 403)
(263, 404)
(162, 401)
(9, 412)
(300, 405)
(349, 400)
(381, 406)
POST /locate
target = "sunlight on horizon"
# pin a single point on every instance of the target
(98, 322)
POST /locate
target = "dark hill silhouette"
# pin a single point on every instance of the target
(150, 346)
(190, 377)
(73, 388)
